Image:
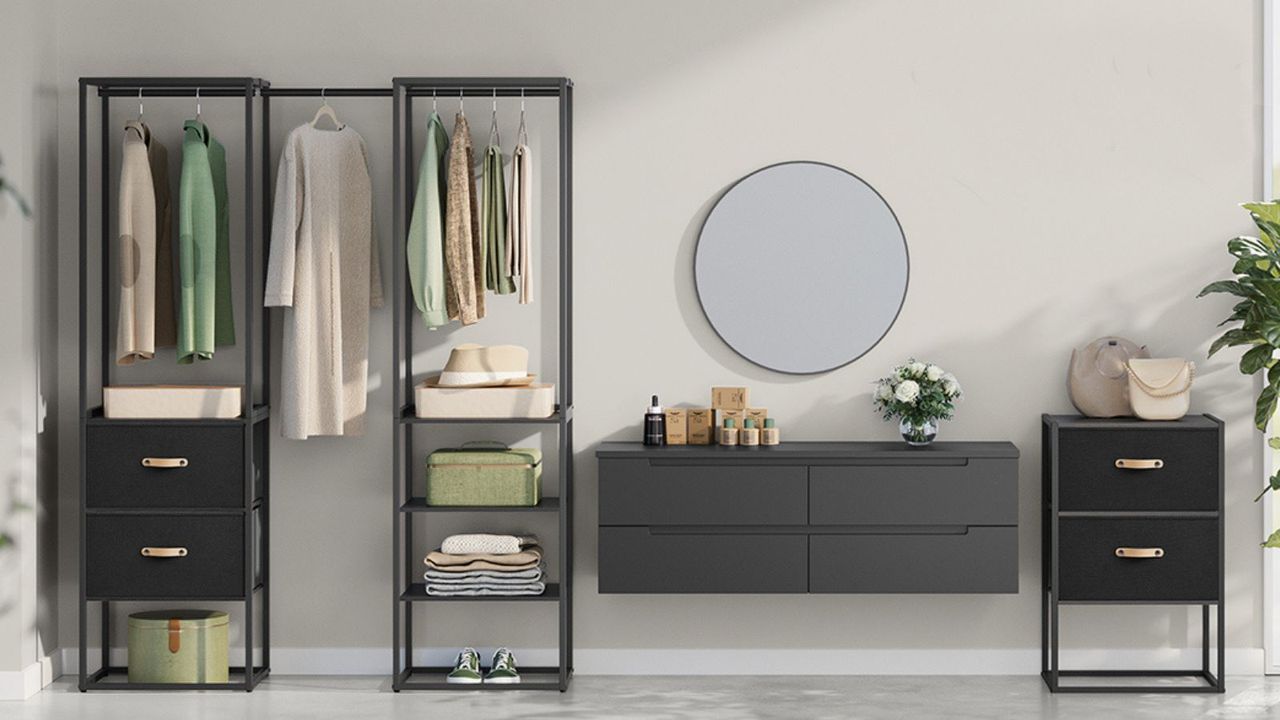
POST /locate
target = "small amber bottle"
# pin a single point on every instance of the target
(728, 433)
(770, 435)
(750, 435)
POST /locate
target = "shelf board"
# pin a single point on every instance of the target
(96, 416)
(435, 678)
(417, 592)
(561, 415)
(208, 598)
(548, 504)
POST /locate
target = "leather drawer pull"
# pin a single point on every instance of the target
(175, 635)
(164, 552)
(1132, 464)
(1130, 552)
(159, 462)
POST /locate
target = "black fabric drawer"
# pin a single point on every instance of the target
(212, 568)
(966, 492)
(1088, 568)
(212, 478)
(982, 560)
(1089, 479)
(641, 560)
(643, 492)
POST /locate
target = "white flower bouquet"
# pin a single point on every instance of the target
(919, 395)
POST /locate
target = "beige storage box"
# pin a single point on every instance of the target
(531, 401)
(171, 402)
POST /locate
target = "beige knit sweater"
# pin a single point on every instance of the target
(135, 327)
(323, 268)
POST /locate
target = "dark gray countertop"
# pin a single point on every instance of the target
(803, 450)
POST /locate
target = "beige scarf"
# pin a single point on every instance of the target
(463, 246)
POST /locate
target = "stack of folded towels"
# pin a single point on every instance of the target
(481, 564)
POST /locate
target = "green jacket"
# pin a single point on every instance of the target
(425, 246)
(204, 258)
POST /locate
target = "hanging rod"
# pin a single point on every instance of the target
(326, 91)
(484, 86)
(174, 86)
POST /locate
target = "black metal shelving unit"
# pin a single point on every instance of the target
(408, 594)
(254, 508)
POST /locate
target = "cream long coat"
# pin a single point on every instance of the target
(323, 268)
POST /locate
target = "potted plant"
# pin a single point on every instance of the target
(1257, 285)
(918, 394)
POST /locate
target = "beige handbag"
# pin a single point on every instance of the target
(1096, 380)
(1160, 389)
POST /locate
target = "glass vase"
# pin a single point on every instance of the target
(918, 434)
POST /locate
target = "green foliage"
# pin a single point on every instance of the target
(1273, 541)
(1257, 284)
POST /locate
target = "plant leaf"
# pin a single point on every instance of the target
(1274, 443)
(1265, 408)
(1256, 359)
(1231, 338)
(1273, 541)
(1225, 286)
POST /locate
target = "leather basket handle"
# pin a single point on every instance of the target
(175, 635)
(1139, 553)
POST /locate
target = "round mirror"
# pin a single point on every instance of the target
(801, 267)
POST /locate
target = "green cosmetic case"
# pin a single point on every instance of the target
(178, 646)
(485, 475)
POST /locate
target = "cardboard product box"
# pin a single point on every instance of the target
(729, 398)
(699, 422)
(677, 426)
(758, 415)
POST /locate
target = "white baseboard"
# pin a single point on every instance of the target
(22, 684)
(765, 661)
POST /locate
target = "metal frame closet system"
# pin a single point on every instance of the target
(252, 415)
(407, 594)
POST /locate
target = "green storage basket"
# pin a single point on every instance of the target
(485, 474)
(178, 646)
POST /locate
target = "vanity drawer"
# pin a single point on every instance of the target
(651, 492)
(170, 466)
(1177, 469)
(648, 560)
(1186, 569)
(972, 491)
(982, 560)
(211, 564)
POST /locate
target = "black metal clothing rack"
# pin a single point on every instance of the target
(407, 593)
(142, 517)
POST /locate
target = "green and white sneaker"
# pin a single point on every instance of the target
(503, 669)
(467, 669)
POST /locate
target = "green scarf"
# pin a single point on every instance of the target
(493, 223)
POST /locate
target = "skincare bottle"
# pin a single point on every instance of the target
(750, 435)
(769, 436)
(728, 433)
(655, 424)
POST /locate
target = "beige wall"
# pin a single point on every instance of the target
(28, 479)
(1062, 171)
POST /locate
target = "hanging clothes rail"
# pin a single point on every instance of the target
(407, 594)
(114, 575)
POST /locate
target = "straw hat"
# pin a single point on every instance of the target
(472, 365)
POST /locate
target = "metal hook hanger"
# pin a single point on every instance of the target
(522, 135)
(197, 103)
(462, 108)
(494, 137)
(434, 106)
(139, 104)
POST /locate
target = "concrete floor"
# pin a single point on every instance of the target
(659, 698)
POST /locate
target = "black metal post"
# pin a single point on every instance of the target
(82, 302)
(397, 357)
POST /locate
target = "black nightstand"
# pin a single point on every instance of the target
(1132, 515)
